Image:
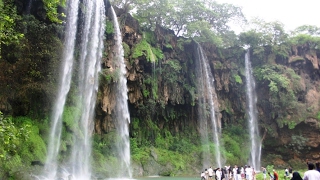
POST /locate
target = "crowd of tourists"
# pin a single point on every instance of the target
(229, 173)
(249, 173)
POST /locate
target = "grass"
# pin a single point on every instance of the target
(259, 175)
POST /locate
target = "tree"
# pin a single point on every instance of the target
(262, 33)
(188, 18)
(51, 7)
(8, 18)
(124, 4)
(306, 35)
(307, 29)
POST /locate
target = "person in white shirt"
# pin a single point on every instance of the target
(218, 174)
(311, 174)
(210, 173)
(249, 173)
(203, 175)
(234, 171)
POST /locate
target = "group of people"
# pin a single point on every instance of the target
(229, 173)
(210, 174)
(248, 173)
(313, 173)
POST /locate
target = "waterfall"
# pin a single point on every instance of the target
(28, 9)
(207, 109)
(78, 166)
(255, 150)
(122, 116)
(51, 164)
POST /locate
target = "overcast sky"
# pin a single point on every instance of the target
(292, 13)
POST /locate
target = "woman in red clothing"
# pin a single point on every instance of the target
(275, 175)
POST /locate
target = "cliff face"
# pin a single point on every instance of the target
(162, 86)
(289, 127)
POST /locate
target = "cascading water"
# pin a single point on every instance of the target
(122, 116)
(28, 9)
(91, 53)
(255, 150)
(208, 104)
(51, 164)
(91, 47)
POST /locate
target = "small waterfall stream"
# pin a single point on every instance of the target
(255, 150)
(208, 104)
(28, 9)
(78, 166)
(122, 111)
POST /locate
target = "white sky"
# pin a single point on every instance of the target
(292, 13)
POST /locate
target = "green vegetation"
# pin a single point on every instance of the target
(284, 88)
(8, 20)
(126, 50)
(200, 17)
(21, 144)
(163, 130)
(109, 27)
(152, 84)
(51, 7)
(237, 79)
(145, 49)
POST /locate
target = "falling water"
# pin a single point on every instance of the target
(122, 112)
(90, 56)
(28, 9)
(91, 52)
(255, 151)
(207, 105)
(65, 81)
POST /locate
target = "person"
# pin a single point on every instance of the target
(290, 171)
(249, 173)
(218, 174)
(239, 172)
(210, 173)
(253, 174)
(286, 173)
(206, 173)
(264, 172)
(242, 173)
(203, 175)
(318, 166)
(223, 175)
(275, 175)
(271, 177)
(234, 172)
(296, 176)
(311, 174)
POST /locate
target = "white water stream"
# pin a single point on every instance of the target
(208, 103)
(122, 115)
(78, 166)
(255, 148)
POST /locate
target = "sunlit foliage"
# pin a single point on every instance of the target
(51, 7)
(8, 18)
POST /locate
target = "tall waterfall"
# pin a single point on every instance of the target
(209, 124)
(255, 151)
(78, 166)
(122, 116)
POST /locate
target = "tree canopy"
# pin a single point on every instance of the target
(188, 18)
(8, 18)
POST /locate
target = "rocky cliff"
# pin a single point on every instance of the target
(163, 99)
(288, 118)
